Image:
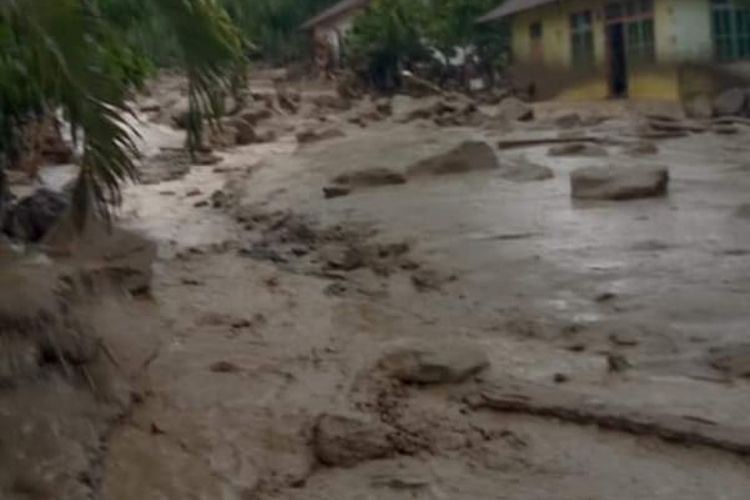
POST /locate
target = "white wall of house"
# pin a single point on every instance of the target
(690, 27)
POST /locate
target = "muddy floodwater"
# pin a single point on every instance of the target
(290, 277)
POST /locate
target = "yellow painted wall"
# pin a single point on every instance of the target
(654, 82)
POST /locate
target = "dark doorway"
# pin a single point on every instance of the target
(618, 67)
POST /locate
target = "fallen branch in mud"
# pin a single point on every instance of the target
(525, 143)
(536, 399)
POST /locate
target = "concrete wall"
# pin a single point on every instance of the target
(682, 32)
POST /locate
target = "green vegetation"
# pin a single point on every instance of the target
(393, 35)
(84, 58)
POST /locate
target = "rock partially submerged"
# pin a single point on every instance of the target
(32, 217)
(433, 362)
(347, 440)
(466, 157)
(619, 182)
(731, 102)
(523, 170)
(310, 134)
(577, 149)
(733, 360)
(370, 177)
(514, 109)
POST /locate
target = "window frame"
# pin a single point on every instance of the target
(582, 49)
(730, 31)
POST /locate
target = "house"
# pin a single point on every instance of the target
(328, 29)
(594, 49)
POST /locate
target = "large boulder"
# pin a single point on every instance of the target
(32, 217)
(347, 440)
(514, 109)
(731, 102)
(466, 157)
(619, 182)
(433, 362)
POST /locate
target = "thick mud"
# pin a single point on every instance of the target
(275, 304)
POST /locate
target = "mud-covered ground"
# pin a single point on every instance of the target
(276, 300)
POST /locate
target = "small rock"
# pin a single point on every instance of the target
(514, 109)
(433, 362)
(560, 378)
(345, 441)
(245, 133)
(617, 362)
(641, 148)
(619, 182)
(568, 120)
(605, 297)
(218, 198)
(344, 259)
(523, 170)
(335, 289)
(149, 106)
(224, 367)
(310, 135)
(725, 129)
(730, 102)
(191, 282)
(371, 177)
(256, 115)
(743, 211)
(202, 203)
(466, 157)
(624, 339)
(427, 280)
(734, 360)
(577, 149)
(193, 192)
(336, 191)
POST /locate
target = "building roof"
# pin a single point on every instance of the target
(337, 9)
(509, 7)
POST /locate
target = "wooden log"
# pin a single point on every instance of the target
(532, 398)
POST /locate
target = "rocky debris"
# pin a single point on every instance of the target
(468, 156)
(219, 199)
(514, 109)
(348, 440)
(699, 107)
(334, 102)
(425, 280)
(31, 218)
(619, 182)
(568, 120)
(725, 129)
(310, 134)
(149, 105)
(105, 253)
(336, 191)
(370, 177)
(224, 367)
(245, 133)
(173, 164)
(346, 258)
(641, 148)
(255, 115)
(434, 361)
(577, 149)
(406, 109)
(522, 170)
(733, 360)
(743, 211)
(671, 125)
(730, 102)
(384, 106)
